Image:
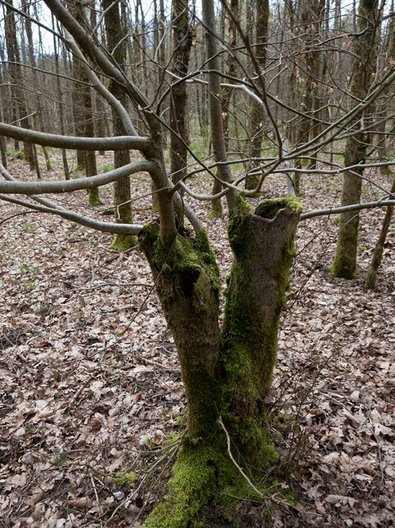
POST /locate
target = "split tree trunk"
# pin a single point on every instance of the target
(227, 372)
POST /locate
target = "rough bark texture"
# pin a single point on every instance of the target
(257, 111)
(188, 287)
(182, 42)
(226, 374)
(345, 262)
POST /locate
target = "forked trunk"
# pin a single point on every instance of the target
(226, 373)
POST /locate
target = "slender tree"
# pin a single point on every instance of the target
(117, 46)
(83, 112)
(345, 262)
(257, 111)
(182, 42)
(20, 112)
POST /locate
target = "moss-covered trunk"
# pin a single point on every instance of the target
(263, 248)
(187, 282)
(227, 373)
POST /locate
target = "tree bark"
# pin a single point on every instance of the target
(257, 111)
(371, 277)
(16, 79)
(214, 84)
(83, 114)
(116, 42)
(227, 372)
(345, 261)
(182, 42)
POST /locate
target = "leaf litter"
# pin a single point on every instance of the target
(92, 404)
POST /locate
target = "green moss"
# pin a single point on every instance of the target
(94, 197)
(215, 213)
(205, 484)
(123, 242)
(343, 268)
(269, 208)
(185, 256)
(250, 331)
(61, 459)
(124, 478)
(242, 205)
(191, 487)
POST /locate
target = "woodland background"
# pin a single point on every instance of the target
(92, 401)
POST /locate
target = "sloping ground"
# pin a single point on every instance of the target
(91, 393)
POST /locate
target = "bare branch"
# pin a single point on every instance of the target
(346, 208)
(97, 225)
(48, 187)
(74, 142)
(103, 91)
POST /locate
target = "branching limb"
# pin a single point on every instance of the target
(346, 208)
(103, 91)
(97, 225)
(73, 142)
(48, 187)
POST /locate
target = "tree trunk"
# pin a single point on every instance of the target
(115, 33)
(371, 277)
(257, 111)
(182, 42)
(83, 114)
(227, 372)
(214, 85)
(345, 262)
(16, 79)
(311, 17)
(66, 169)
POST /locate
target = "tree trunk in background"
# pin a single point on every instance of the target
(182, 42)
(117, 45)
(311, 16)
(384, 108)
(345, 262)
(214, 86)
(378, 251)
(60, 103)
(83, 113)
(16, 80)
(3, 145)
(38, 121)
(230, 36)
(257, 112)
(226, 373)
(99, 107)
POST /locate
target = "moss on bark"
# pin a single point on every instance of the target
(263, 247)
(188, 284)
(225, 375)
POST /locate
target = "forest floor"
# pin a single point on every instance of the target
(91, 397)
